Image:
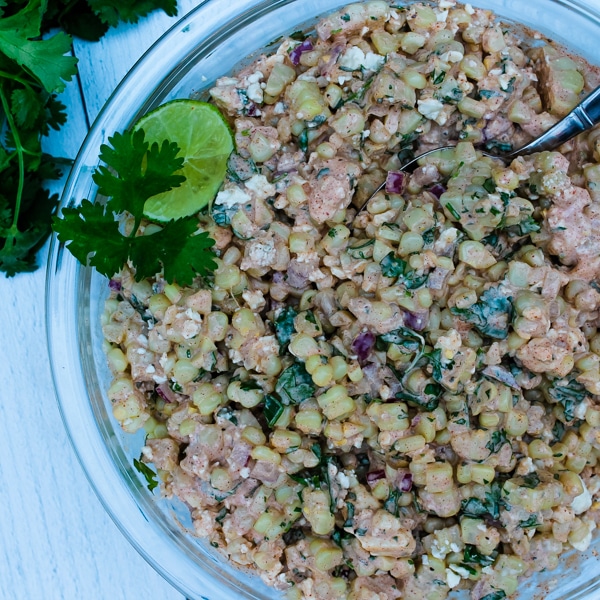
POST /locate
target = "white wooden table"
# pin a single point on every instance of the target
(56, 541)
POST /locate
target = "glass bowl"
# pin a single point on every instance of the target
(184, 62)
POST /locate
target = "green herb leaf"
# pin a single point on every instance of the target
(147, 472)
(498, 440)
(87, 229)
(529, 522)
(428, 401)
(44, 59)
(499, 595)
(475, 507)
(295, 385)
(528, 225)
(473, 556)
(91, 232)
(531, 481)
(392, 265)
(143, 171)
(113, 11)
(489, 186)
(491, 315)
(569, 393)
(273, 409)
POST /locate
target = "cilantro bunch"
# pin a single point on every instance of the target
(90, 19)
(134, 172)
(32, 72)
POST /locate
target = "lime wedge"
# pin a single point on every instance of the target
(206, 142)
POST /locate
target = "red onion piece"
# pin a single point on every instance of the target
(252, 109)
(405, 482)
(115, 286)
(305, 46)
(375, 476)
(395, 182)
(416, 321)
(363, 344)
(437, 190)
(166, 393)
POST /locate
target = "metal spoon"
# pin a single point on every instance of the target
(583, 117)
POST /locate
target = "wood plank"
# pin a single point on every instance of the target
(57, 542)
(103, 64)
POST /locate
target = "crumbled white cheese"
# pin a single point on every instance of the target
(437, 552)
(580, 410)
(452, 579)
(442, 16)
(582, 502)
(254, 299)
(344, 480)
(446, 3)
(449, 344)
(261, 187)
(163, 360)
(232, 197)
(343, 78)
(150, 369)
(352, 58)
(255, 93)
(430, 108)
(262, 253)
(141, 350)
(147, 452)
(159, 379)
(526, 466)
(255, 77)
(193, 315)
(372, 61)
(460, 571)
(469, 9)
(245, 473)
(505, 82)
(446, 239)
(425, 559)
(279, 108)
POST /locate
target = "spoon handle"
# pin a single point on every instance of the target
(583, 117)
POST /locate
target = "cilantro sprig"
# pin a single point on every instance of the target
(33, 70)
(135, 171)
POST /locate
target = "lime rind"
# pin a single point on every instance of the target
(206, 141)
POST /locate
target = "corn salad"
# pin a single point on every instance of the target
(399, 402)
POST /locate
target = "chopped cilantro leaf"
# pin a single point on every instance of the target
(284, 325)
(491, 315)
(392, 266)
(569, 393)
(498, 440)
(498, 595)
(273, 409)
(295, 385)
(147, 472)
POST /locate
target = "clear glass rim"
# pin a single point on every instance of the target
(66, 279)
